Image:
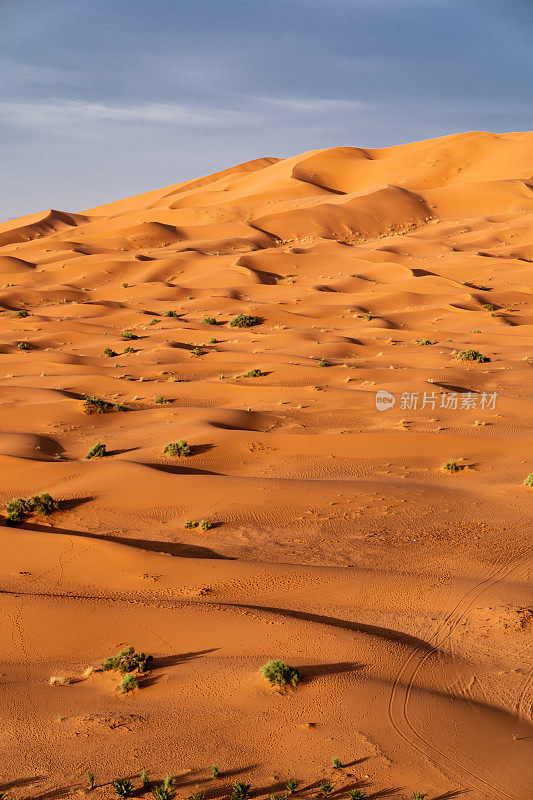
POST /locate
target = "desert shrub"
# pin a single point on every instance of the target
(253, 373)
(205, 525)
(23, 346)
(170, 313)
(163, 792)
(336, 763)
(452, 466)
(161, 400)
(474, 286)
(179, 449)
(215, 772)
(127, 660)
(489, 307)
(471, 355)
(240, 791)
(128, 335)
(197, 351)
(123, 787)
(95, 405)
(60, 680)
(244, 321)
(190, 524)
(213, 341)
(145, 780)
(356, 794)
(422, 342)
(128, 350)
(325, 788)
(279, 674)
(291, 785)
(419, 795)
(323, 363)
(529, 480)
(98, 450)
(20, 508)
(22, 313)
(125, 284)
(110, 353)
(168, 782)
(197, 796)
(128, 683)
(90, 779)
(210, 321)
(369, 317)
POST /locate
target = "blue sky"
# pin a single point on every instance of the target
(103, 99)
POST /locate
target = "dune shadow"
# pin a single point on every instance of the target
(75, 502)
(180, 658)
(168, 548)
(398, 637)
(451, 388)
(21, 782)
(174, 469)
(449, 795)
(124, 450)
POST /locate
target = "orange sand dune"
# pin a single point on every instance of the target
(401, 591)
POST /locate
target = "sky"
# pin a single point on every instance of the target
(104, 99)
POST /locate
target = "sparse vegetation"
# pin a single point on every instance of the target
(127, 661)
(356, 794)
(128, 350)
(110, 353)
(529, 480)
(369, 317)
(291, 785)
(452, 466)
(124, 285)
(128, 335)
(420, 795)
(474, 286)
(280, 674)
(253, 373)
(210, 321)
(422, 342)
(162, 792)
(323, 363)
(123, 787)
(22, 313)
(215, 772)
(98, 450)
(325, 788)
(471, 355)
(95, 405)
(489, 307)
(90, 780)
(23, 346)
(205, 525)
(244, 321)
(170, 313)
(128, 683)
(161, 400)
(240, 791)
(179, 449)
(190, 524)
(19, 508)
(197, 351)
(60, 680)
(213, 341)
(336, 763)
(145, 780)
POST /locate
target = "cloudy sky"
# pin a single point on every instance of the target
(103, 99)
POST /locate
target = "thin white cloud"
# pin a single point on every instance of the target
(312, 105)
(72, 111)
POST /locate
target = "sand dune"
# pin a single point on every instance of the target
(401, 591)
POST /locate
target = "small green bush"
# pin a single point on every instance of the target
(210, 321)
(356, 794)
(22, 313)
(145, 780)
(369, 317)
(128, 683)
(178, 449)
(128, 350)
(110, 353)
(128, 335)
(471, 355)
(489, 307)
(190, 524)
(213, 341)
(240, 791)
(127, 661)
(323, 363)
(474, 286)
(279, 674)
(420, 795)
(154, 321)
(205, 525)
(170, 313)
(23, 346)
(90, 780)
(161, 400)
(163, 792)
(291, 785)
(422, 342)
(95, 405)
(325, 788)
(253, 373)
(529, 480)
(123, 787)
(98, 450)
(452, 466)
(19, 508)
(244, 321)
(197, 351)
(336, 763)
(124, 285)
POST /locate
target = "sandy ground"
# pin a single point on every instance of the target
(402, 592)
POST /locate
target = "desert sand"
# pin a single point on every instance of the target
(338, 543)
